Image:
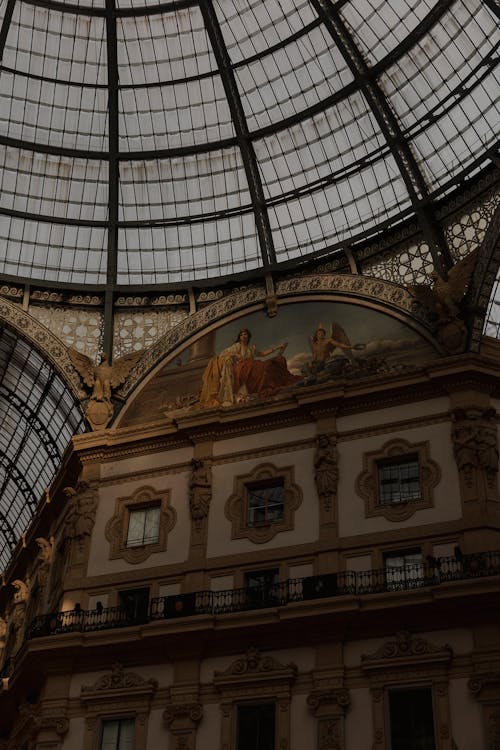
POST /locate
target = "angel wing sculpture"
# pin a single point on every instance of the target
(103, 379)
(443, 299)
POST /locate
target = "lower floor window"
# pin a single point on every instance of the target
(404, 570)
(411, 719)
(256, 726)
(117, 734)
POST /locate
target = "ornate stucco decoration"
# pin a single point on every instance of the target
(252, 664)
(236, 507)
(326, 470)
(119, 680)
(44, 559)
(43, 340)
(117, 527)
(443, 299)
(117, 692)
(475, 445)
(367, 482)
(182, 715)
(32, 719)
(348, 286)
(409, 660)
(102, 379)
(200, 489)
(408, 650)
(80, 514)
(485, 688)
(256, 677)
(323, 700)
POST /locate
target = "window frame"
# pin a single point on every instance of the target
(264, 485)
(403, 460)
(108, 719)
(143, 509)
(245, 704)
(395, 451)
(237, 506)
(116, 530)
(391, 690)
(408, 661)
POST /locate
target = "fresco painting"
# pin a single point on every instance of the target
(257, 358)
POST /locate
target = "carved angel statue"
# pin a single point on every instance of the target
(443, 298)
(104, 377)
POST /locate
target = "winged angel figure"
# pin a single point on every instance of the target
(443, 298)
(103, 379)
(442, 301)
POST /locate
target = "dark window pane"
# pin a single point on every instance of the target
(265, 502)
(256, 727)
(135, 603)
(412, 719)
(399, 482)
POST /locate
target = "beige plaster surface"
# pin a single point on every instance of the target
(178, 538)
(447, 504)
(73, 740)
(145, 462)
(208, 735)
(264, 439)
(358, 720)
(303, 725)
(466, 719)
(390, 414)
(306, 517)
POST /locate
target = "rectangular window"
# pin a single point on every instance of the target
(404, 570)
(262, 588)
(117, 734)
(399, 481)
(266, 502)
(134, 605)
(256, 727)
(411, 719)
(143, 526)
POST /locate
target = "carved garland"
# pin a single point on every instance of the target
(367, 481)
(236, 508)
(117, 526)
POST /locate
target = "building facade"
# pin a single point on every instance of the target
(312, 562)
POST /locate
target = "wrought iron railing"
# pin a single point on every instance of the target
(431, 572)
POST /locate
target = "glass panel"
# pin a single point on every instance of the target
(399, 482)
(412, 719)
(265, 503)
(256, 727)
(152, 525)
(136, 523)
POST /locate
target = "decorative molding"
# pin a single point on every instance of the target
(45, 342)
(117, 527)
(407, 649)
(236, 507)
(258, 678)
(254, 663)
(326, 469)
(475, 445)
(367, 484)
(328, 701)
(382, 293)
(118, 680)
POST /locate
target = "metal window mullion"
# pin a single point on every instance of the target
(403, 156)
(113, 176)
(243, 137)
(4, 30)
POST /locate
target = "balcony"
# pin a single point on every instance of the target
(434, 572)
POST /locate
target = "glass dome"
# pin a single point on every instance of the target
(170, 143)
(164, 148)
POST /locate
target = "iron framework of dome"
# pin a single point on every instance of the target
(151, 153)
